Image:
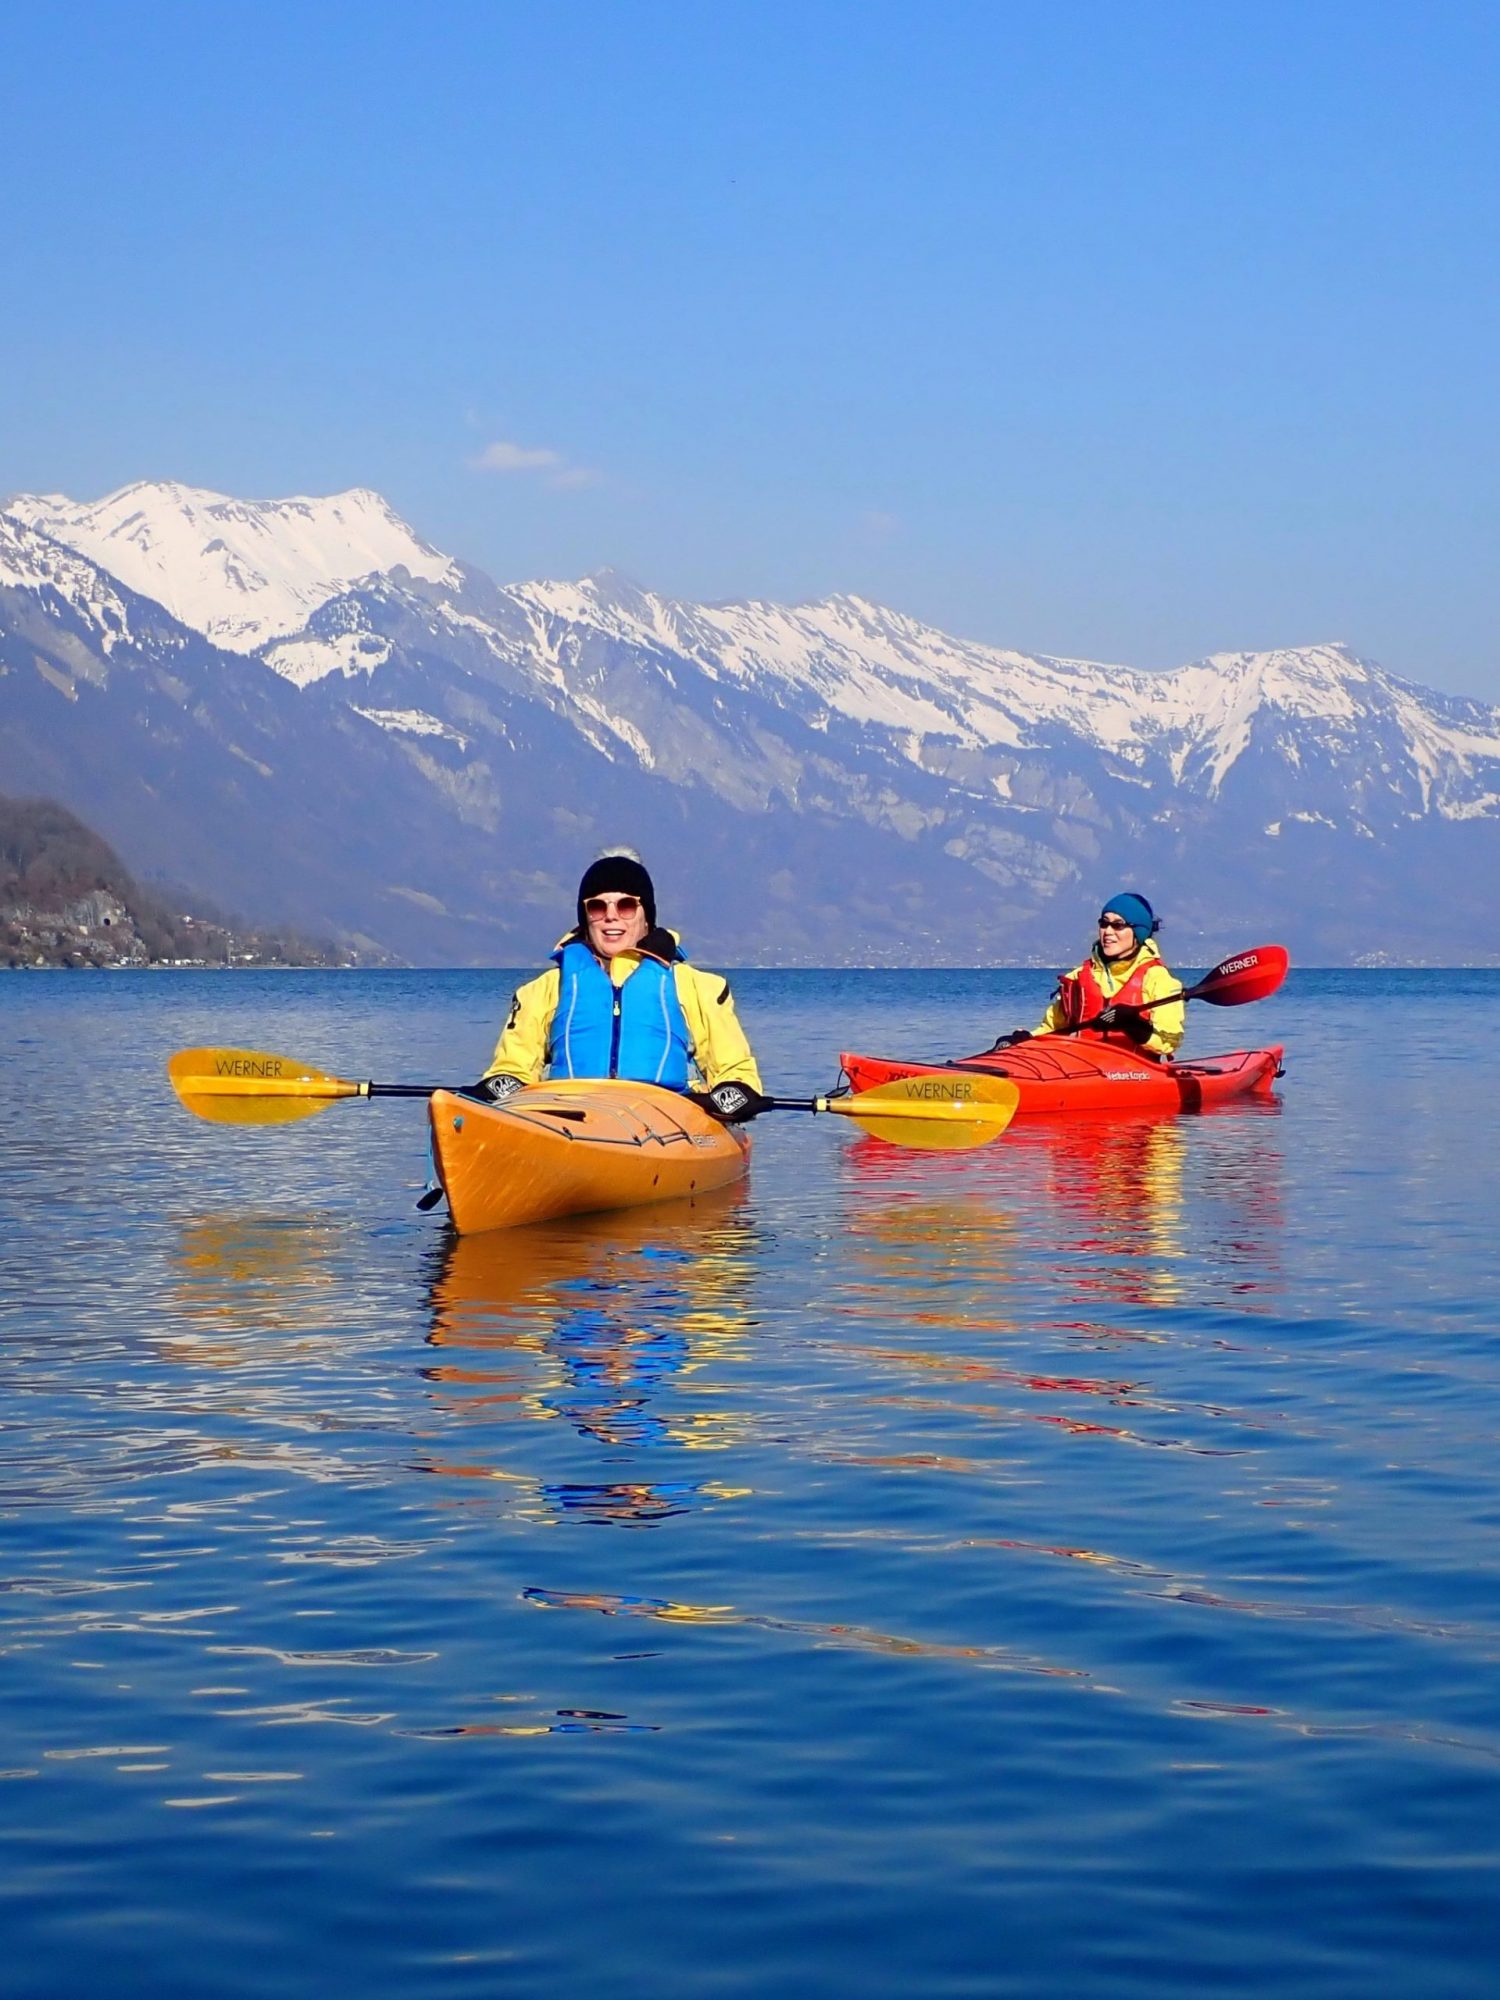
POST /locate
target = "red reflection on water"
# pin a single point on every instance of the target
(1128, 1205)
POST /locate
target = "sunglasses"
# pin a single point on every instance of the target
(1114, 924)
(604, 906)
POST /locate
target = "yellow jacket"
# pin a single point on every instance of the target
(720, 1051)
(1168, 1024)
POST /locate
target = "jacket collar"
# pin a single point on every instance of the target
(1121, 968)
(660, 944)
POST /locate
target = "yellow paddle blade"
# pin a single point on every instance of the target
(253, 1087)
(933, 1113)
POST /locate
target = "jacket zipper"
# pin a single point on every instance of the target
(614, 1038)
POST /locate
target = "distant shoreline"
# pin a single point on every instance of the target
(784, 971)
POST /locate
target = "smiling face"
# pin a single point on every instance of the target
(615, 923)
(1116, 938)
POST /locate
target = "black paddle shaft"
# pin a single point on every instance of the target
(1207, 988)
(1145, 1006)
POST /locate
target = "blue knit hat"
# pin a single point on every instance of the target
(1136, 911)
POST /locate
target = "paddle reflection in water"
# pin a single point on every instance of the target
(1146, 1212)
(239, 1275)
(621, 1325)
(267, 1351)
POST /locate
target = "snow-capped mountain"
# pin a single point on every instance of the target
(35, 563)
(355, 819)
(239, 571)
(976, 714)
(887, 790)
(249, 575)
(208, 770)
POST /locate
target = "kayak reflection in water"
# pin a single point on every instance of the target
(629, 1339)
(1123, 970)
(621, 1000)
(1107, 1192)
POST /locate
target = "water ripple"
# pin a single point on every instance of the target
(935, 1545)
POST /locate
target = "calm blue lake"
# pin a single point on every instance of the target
(1068, 1568)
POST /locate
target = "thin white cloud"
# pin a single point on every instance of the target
(879, 525)
(575, 476)
(503, 457)
(549, 465)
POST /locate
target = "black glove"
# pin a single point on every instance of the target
(1009, 1041)
(1129, 1022)
(734, 1103)
(498, 1088)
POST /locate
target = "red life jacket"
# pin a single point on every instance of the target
(1083, 997)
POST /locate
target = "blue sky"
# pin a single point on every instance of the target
(1127, 330)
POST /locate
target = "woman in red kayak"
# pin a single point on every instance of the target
(1123, 970)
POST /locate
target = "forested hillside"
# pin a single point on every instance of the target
(67, 899)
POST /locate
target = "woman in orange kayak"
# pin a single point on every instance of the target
(621, 1000)
(1123, 970)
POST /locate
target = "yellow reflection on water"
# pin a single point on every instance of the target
(857, 1638)
(933, 1262)
(242, 1275)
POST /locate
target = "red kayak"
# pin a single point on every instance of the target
(1056, 1073)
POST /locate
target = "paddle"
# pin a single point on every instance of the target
(254, 1087)
(1249, 975)
(929, 1113)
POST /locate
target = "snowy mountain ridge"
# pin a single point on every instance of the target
(250, 575)
(880, 668)
(875, 783)
(926, 697)
(34, 562)
(242, 572)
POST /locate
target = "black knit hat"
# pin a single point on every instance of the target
(617, 875)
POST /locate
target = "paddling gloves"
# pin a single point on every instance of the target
(498, 1088)
(1129, 1022)
(732, 1102)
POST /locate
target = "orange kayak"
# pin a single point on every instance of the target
(570, 1147)
(1058, 1073)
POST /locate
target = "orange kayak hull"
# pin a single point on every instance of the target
(1057, 1074)
(572, 1147)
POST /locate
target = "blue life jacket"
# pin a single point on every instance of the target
(636, 1030)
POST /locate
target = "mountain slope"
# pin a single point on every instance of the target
(875, 789)
(66, 898)
(660, 680)
(1295, 768)
(444, 847)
